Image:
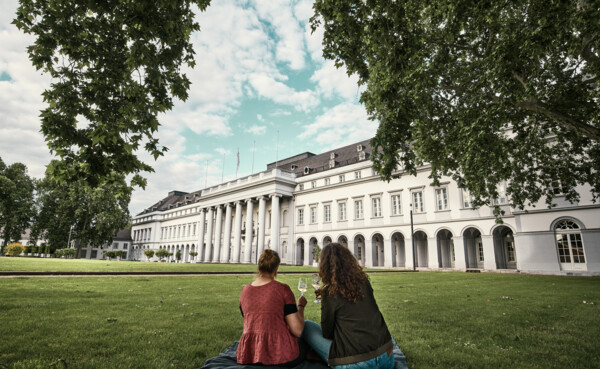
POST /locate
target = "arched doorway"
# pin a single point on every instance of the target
(326, 241)
(569, 245)
(398, 250)
(504, 248)
(421, 249)
(300, 249)
(342, 240)
(377, 250)
(283, 250)
(311, 246)
(445, 249)
(359, 249)
(473, 248)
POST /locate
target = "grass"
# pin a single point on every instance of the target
(34, 264)
(440, 320)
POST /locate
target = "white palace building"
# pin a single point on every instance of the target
(309, 200)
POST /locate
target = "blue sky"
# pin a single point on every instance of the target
(260, 83)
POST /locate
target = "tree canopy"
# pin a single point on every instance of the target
(115, 65)
(89, 215)
(483, 91)
(16, 200)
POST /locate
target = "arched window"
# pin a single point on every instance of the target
(569, 244)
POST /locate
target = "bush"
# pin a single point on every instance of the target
(316, 253)
(14, 249)
(67, 252)
(120, 254)
(149, 254)
(193, 254)
(162, 253)
(178, 255)
(110, 254)
(48, 250)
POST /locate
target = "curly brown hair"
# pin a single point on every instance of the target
(340, 271)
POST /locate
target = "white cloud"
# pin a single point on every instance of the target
(277, 91)
(257, 130)
(260, 117)
(342, 125)
(290, 41)
(335, 81)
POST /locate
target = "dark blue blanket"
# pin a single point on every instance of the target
(226, 360)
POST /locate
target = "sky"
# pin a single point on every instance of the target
(260, 87)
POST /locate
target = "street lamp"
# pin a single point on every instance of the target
(412, 238)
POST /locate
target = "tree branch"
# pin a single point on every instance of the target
(563, 119)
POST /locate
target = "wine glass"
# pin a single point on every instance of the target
(316, 283)
(302, 286)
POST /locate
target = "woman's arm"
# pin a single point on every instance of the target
(295, 321)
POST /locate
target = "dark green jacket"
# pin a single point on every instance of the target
(357, 330)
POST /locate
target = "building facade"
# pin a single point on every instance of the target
(309, 200)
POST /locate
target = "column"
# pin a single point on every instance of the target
(433, 262)
(237, 232)
(201, 235)
(262, 204)
(489, 256)
(209, 235)
(227, 234)
(460, 259)
(219, 226)
(388, 253)
(275, 222)
(249, 235)
(368, 253)
(409, 253)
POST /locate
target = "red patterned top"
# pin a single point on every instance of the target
(266, 338)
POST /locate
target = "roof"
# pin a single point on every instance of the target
(123, 234)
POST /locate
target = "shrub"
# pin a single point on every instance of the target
(110, 254)
(178, 255)
(149, 254)
(120, 254)
(14, 249)
(48, 250)
(316, 253)
(67, 252)
(193, 254)
(162, 253)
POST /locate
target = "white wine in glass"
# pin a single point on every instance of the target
(302, 286)
(316, 283)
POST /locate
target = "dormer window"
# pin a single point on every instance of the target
(332, 156)
(359, 148)
(361, 155)
(331, 164)
(294, 167)
(306, 170)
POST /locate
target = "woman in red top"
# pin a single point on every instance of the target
(272, 319)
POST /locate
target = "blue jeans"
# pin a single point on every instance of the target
(313, 335)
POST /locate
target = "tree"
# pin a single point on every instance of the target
(178, 255)
(149, 254)
(316, 253)
(193, 254)
(110, 254)
(88, 215)
(14, 249)
(483, 91)
(16, 200)
(115, 65)
(120, 254)
(162, 253)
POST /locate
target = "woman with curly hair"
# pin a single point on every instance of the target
(353, 333)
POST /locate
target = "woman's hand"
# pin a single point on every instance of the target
(302, 301)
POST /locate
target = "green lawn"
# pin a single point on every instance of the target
(34, 264)
(440, 320)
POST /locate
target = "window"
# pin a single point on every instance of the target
(327, 213)
(417, 198)
(115, 245)
(327, 181)
(501, 199)
(480, 249)
(558, 188)
(510, 251)
(569, 242)
(376, 207)
(313, 184)
(342, 178)
(396, 205)
(331, 163)
(300, 216)
(361, 155)
(466, 199)
(194, 233)
(441, 198)
(358, 209)
(313, 215)
(342, 211)
(357, 174)
(301, 186)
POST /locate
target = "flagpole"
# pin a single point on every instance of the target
(223, 170)
(277, 151)
(253, 151)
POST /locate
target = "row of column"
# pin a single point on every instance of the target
(215, 251)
